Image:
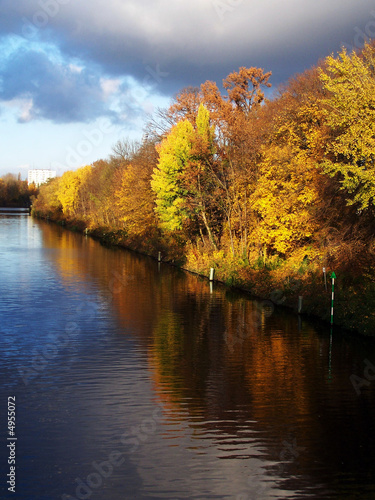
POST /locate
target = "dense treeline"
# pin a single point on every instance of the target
(267, 192)
(14, 192)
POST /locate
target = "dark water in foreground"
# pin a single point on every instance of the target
(136, 381)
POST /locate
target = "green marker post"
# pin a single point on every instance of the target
(333, 277)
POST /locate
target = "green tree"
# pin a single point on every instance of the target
(184, 181)
(199, 176)
(166, 182)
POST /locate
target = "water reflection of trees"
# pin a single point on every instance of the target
(224, 360)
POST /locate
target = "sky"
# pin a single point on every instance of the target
(76, 76)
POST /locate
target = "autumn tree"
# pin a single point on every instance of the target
(238, 139)
(133, 196)
(287, 195)
(2, 191)
(184, 106)
(245, 88)
(350, 114)
(14, 191)
(238, 136)
(69, 191)
(285, 199)
(184, 179)
(47, 203)
(98, 191)
(123, 152)
(199, 176)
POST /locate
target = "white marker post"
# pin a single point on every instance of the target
(333, 277)
(300, 303)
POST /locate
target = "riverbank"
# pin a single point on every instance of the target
(281, 282)
(268, 197)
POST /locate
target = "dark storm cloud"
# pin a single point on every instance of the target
(170, 45)
(58, 92)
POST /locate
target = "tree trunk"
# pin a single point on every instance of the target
(230, 234)
(209, 232)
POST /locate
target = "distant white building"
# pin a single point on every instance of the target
(39, 176)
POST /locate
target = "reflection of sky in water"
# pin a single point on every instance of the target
(37, 305)
(238, 420)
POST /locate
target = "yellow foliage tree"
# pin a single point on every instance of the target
(285, 198)
(68, 191)
(350, 114)
(135, 201)
(47, 203)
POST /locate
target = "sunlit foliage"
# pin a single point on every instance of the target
(350, 113)
(244, 183)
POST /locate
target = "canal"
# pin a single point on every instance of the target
(136, 380)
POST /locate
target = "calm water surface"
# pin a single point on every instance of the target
(135, 380)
